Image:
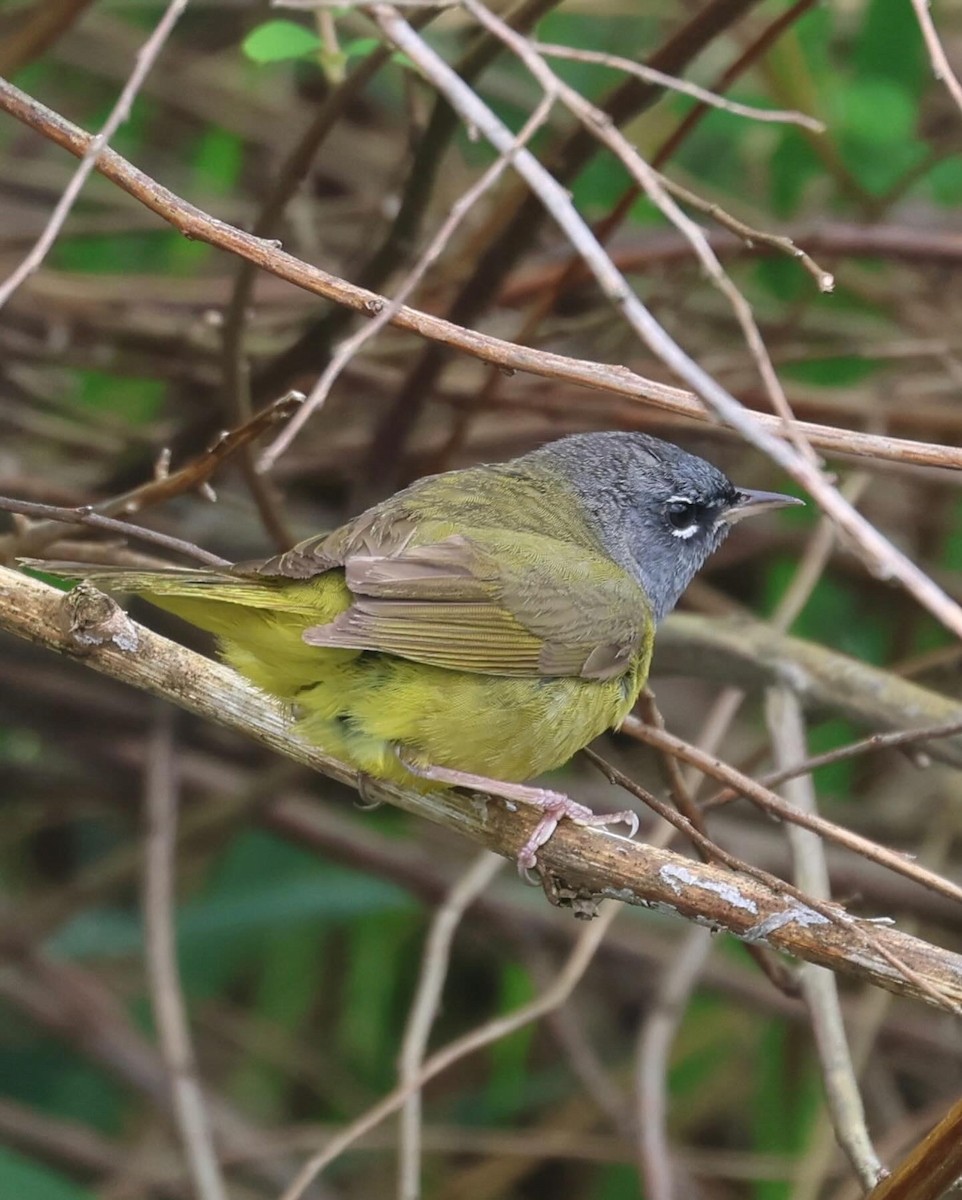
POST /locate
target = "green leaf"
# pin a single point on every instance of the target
(509, 1085)
(873, 110)
(291, 978)
(839, 370)
(794, 164)
(27, 1180)
(782, 278)
(951, 555)
(41, 1073)
(615, 1181)
(260, 886)
(280, 41)
(359, 48)
(133, 399)
(890, 45)
(945, 182)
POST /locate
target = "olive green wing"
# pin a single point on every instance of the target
(498, 603)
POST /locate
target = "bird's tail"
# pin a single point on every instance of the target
(209, 599)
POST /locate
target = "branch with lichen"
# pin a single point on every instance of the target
(578, 867)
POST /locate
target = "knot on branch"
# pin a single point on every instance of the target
(89, 618)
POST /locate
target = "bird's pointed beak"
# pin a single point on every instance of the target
(751, 503)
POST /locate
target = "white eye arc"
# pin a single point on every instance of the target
(683, 517)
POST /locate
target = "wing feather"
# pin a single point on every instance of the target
(493, 602)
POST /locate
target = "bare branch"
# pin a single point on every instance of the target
(674, 84)
(551, 997)
(424, 1008)
(655, 1041)
(768, 801)
(161, 948)
(579, 864)
(86, 516)
(118, 114)
(431, 253)
(620, 381)
(941, 67)
(879, 553)
(819, 987)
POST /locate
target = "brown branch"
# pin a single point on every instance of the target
(768, 801)
(290, 175)
(146, 57)
(877, 741)
(42, 25)
(193, 476)
(932, 1167)
(794, 455)
(580, 865)
(86, 516)
(668, 247)
(74, 1005)
(200, 226)
(830, 913)
(550, 998)
(656, 1040)
(941, 67)
(161, 787)
(750, 653)
(819, 988)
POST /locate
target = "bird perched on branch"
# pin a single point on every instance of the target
(479, 627)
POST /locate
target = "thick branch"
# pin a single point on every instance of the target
(580, 865)
(750, 653)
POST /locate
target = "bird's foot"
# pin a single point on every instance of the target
(553, 805)
(366, 800)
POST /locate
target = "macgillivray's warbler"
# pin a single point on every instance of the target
(480, 626)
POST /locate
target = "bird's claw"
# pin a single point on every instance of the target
(555, 806)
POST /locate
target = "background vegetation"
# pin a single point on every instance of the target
(300, 920)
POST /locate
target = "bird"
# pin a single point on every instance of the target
(479, 627)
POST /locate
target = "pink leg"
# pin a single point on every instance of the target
(554, 805)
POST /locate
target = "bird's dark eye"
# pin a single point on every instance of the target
(682, 514)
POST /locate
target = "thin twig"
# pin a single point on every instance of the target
(551, 997)
(86, 516)
(674, 84)
(819, 987)
(941, 67)
(878, 552)
(680, 791)
(824, 280)
(768, 801)
(290, 175)
(193, 476)
(655, 1041)
(651, 183)
(616, 380)
(424, 1008)
(831, 913)
(146, 57)
(161, 952)
(748, 651)
(754, 51)
(432, 252)
(877, 741)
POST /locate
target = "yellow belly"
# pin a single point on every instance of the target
(503, 728)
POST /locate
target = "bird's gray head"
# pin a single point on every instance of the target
(659, 511)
